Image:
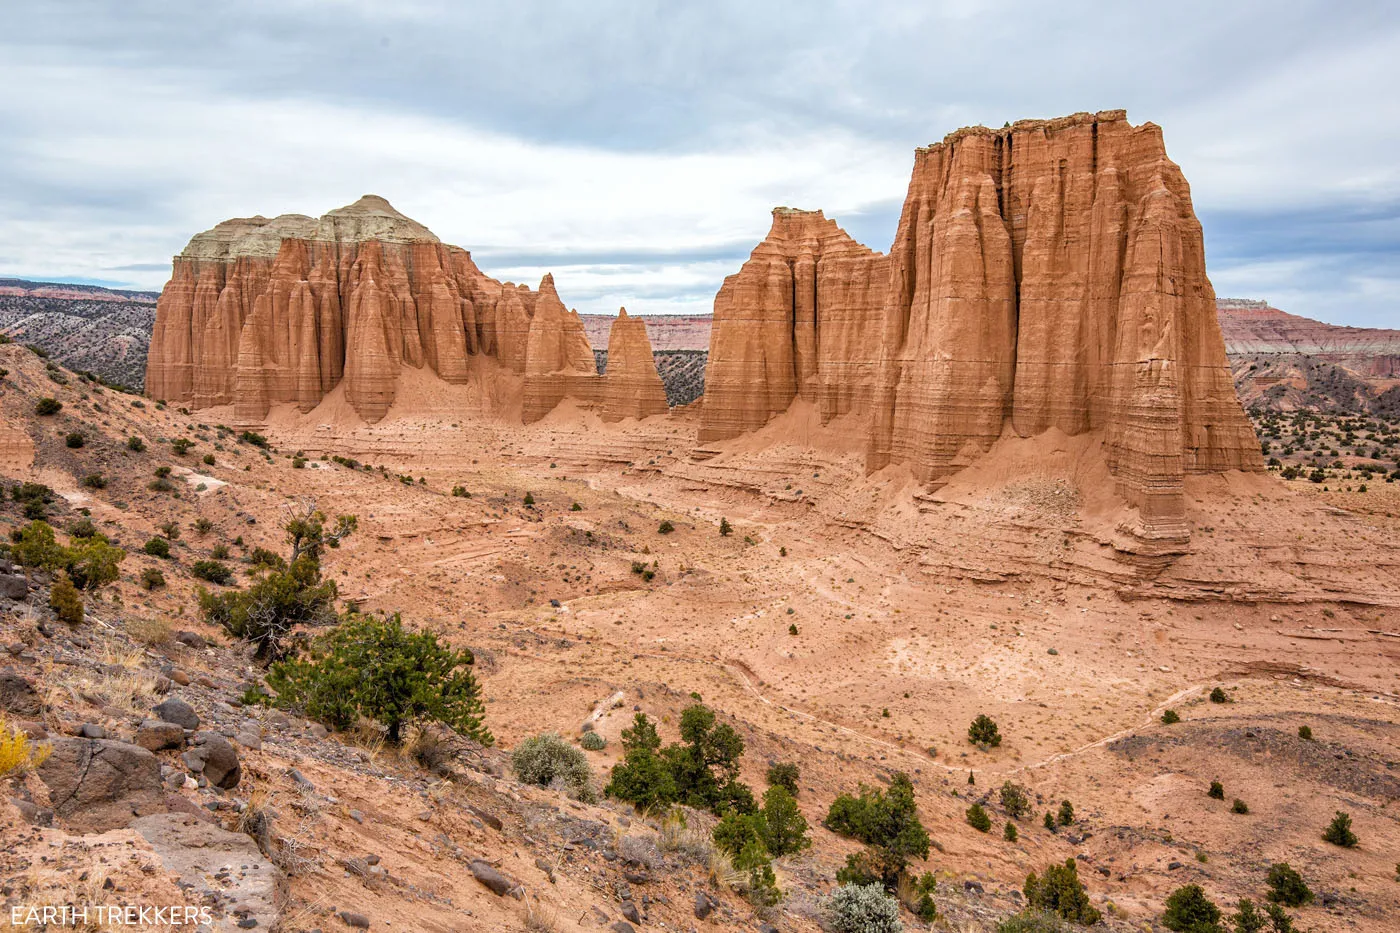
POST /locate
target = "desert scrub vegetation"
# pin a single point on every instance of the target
(372, 666)
(983, 732)
(887, 822)
(1287, 887)
(978, 819)
(1033, 921)
(1059, 891)
(18, 753)
(65, 600)
(784, 774)
(546, 760)
(1339, 832)
(1014, 800)
(593, 742)
(700, 771)
(861, 908)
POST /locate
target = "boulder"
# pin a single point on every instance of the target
(17, 695)
(179, 712)
(13, 586)
(155, 735)
(101, 784)
(211, 755)
(487, 874)
(193, 848)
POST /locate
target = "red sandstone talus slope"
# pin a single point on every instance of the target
(1050, 274)
(260, 312)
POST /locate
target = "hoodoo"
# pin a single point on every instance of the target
(262, 312)
(1050, 274)
(632, 386)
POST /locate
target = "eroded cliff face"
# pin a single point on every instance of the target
(798, 320)
(1050, 274)
(260, 312)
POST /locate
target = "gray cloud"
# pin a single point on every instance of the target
(650, 139)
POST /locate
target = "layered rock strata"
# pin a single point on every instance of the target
(632, 385)
(796, 320)
(1050, 274)
(263, 311)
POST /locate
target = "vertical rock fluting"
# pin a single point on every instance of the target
(632, 387)
(796, 320)
(261, 312)
(1048, 275)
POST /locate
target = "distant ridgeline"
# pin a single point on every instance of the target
(85, 327)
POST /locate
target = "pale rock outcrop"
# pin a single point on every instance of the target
(632, 387)
(1050, 274)
(262, 312)
(796, 320)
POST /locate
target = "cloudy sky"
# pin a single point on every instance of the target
(635, 149)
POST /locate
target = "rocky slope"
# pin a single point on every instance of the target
(1282, 362)
(263, 312)
(1048, 275)
(86, 329)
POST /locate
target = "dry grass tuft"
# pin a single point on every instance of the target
(153, 632)
(18, 753)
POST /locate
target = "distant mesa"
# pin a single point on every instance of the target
(1048, 275)
(261, 312)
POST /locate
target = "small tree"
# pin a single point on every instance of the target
(1218, 695)
(978, 819)
(1248, 918)
(665, 527)
(1305, 733)
(157, 547)
(1049, 821)
(1239, 806)
(1189, 910)
(1339, 831)
(784, 774)
(1060, 891)
(784, 829)
(65, 600)
(1066, 813)
(1009, 832)
(983, 732)
(33, 546)
(1014, 800)
(372, 666)
(1171, 717)
(93, 563)
(887, 822)
(725, 529)
(1217, 791)
(1287, 887)
(47, 406)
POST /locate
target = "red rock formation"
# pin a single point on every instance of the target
(632, 386)
(796, 320)
(558, 359)
(260, 312)
(1050, 274)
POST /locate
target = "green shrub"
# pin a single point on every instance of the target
(1009, 832)
(1217, 791)
(593, 742)
(1248, 918)
(92, 562)
(82, 528)
(1305, 733)
(33, 545)
(208, 459)
(1066, 816)
(152, 578)
(983, 732)
(95, 481)
(887, 822)
(371, 666)
(1060, 891)
(157, 547)
(725, 529)
(1014, 800)
(978, 819)
(47, 406)
(861, 908)
(1171, 717)
(642, 778)
(547, 758)
(135, 444)
(65, 600)
(181, 446)
(529, 499)
(219, 552)
(665, 527)
(782, 825)
(1339, 831)
(202, 526)
(75, 439)
(254, 438)
(460, 492)
(212, 571)
(1049, 821)
(784, 774)
(705, 764)
(1189, 910)
(1239, 806)
(266, 613)
(1286, 886)
(1218, 695)
(917, 895)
